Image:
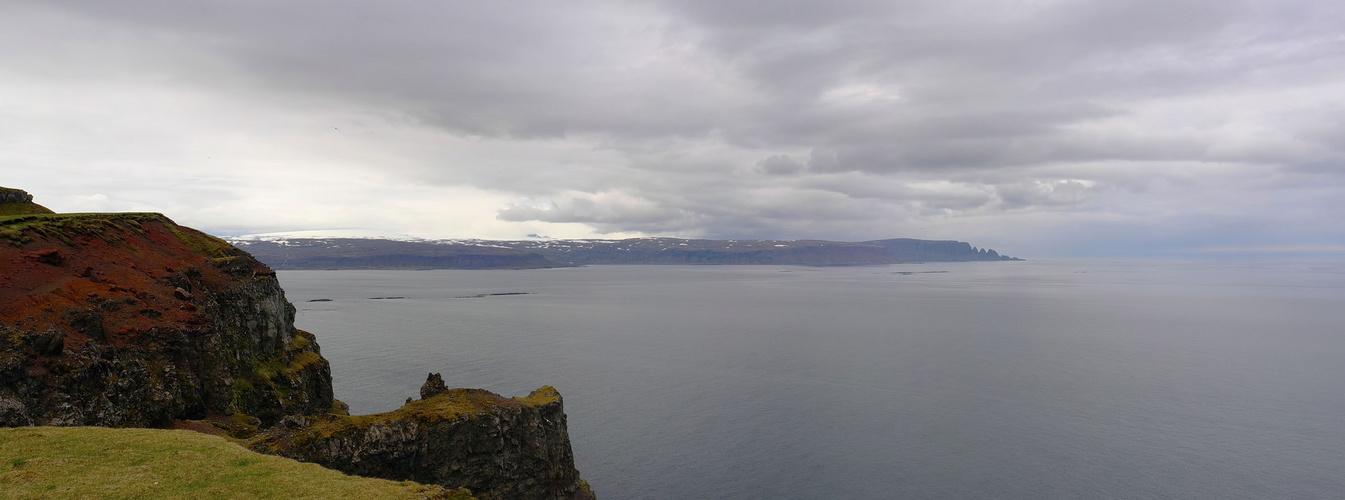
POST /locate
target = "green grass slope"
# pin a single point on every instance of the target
(95, 462)
(7, 209)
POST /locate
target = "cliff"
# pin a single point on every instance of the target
(130, 320)
(913, 250)
(468, 438)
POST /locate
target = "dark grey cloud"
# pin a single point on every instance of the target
(961, 78)
(779, 165)
(843, 119)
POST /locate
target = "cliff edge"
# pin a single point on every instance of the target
(130, 320)
(494, 446)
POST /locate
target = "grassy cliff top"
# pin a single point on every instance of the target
(455, 402)
(16, 221)
(21, 228)
(9, 209)
(448, 405)
(95, 462)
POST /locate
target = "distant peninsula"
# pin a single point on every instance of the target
(283, 253)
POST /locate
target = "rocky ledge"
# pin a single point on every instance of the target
(499, 448)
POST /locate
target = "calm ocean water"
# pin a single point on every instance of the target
(1014, 380)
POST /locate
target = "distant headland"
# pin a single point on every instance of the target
(373, 253)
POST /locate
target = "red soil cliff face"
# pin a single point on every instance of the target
(134, 264)
(130, 319)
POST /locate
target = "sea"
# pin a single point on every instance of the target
(1051, 379)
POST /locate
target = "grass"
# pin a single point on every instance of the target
(87, 223)
(65, 226)
(451, 404)
(455, 402)
(22, 220)
(95, 462)
(22, 209)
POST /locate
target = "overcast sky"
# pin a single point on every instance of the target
(1037, 128)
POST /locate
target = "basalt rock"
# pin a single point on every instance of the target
(131, 320)
(499, 448)
(13, 413)
(434, 385)
(11, 195)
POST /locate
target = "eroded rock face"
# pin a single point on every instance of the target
(11, 195)
(499, 448)
(132, 320)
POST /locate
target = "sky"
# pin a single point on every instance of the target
(1038, 128)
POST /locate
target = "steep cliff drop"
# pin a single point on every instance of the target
(130, 320)
(495, 447)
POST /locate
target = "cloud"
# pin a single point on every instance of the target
(1062, 192)
(603, 210)
(779, 165)
(1336, 249)
(850, 119)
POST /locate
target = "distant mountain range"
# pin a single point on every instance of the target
(372, 253)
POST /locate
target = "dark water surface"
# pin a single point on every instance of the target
(1015, 380)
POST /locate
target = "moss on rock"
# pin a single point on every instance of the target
(495, 446)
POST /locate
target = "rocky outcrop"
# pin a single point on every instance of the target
(499, 448)
(11, 195)
(19, 202)
(13, 413)
(433, 386)
(131, 320)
